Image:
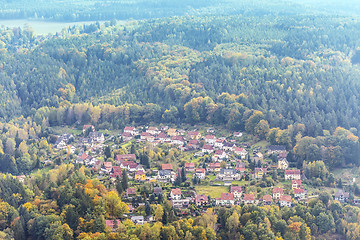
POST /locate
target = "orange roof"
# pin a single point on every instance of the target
(285, 198)
(176, 191)
(267, 198)
(227, 196)
(166, 167)
(249, 197)
(278, 190)
(189, 165)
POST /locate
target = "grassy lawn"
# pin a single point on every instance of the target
(211, 177)
(239, 183)
(212, 191)
(263, 144)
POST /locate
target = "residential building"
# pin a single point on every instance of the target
(153, 130)
(249, 199)
(194, 135)
(140, 176)
(267, 199)
(166, 166)
(292, 174)
(164, 175)
(228, 175)
(276, 149)
(296, 184)
(285, 200)
(189, 167)
(210, 139)
(214, 167)
(226, 199)
(341, 196)
(207, 149)
(277, 193)
(283, 164)
(138, 220)
(125, 157)
(200, 173)
(237, 191)
(175, 194)
(238, 134)
(201, 200)
(299, 194)
(260, 172)
(240, 151)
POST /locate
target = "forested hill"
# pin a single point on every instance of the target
(293, 69)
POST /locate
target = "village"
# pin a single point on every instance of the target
(214, 171)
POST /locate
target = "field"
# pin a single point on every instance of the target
(212, 191)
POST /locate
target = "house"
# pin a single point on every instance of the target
(60, 143)
(140, 176)
(240, 167)
(200, 173)
(214, 167)
(189, 167)
(112, 224)
(207, 149)
(285, 200)
(108, 166)
(172, 132)
(163, 137)
(219, 143)
(296, 184)
(126, 136)
(194, 135)
(97, 137)
(299, 194)
(180, 203)
(238, 134)
(178, 140)
(277, 193)
(193, 143)
(201, 200)
(85, 127)
(116, 172)
(292, 174)
(138, 220)
(131, 192)
(240, 151)
(226, 199)
(125, 157)
(249, 198)
(129, 165)
(132, 130)
(267, 200)
(175, 194)
(237, 191)
(147, 137)
(276, 149)
(341, 196)
(356, 201)
(260, 172)
(164, 175)
(283, 164)
(228, 146)
(210, 139)
(166, 166)
(228, 175)
(219, 154)
(153, 130)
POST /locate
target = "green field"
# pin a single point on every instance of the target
(212, 191)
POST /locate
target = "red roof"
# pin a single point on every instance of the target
(162, 136)
(108, 165)
(200, 170)
(249, 197)
(146, 134)
(127, 163)
(201, 198)
(260, 170)
(278, 190)
(140, 172)
(189, 165)
(129, 128)
(110, 223)
(285, 198)
(238, 149)
(166, 167)
(177, 138)
(227, 196)
(235, 189)
(153, 129)
(267, 198)
(83, 156)
(193, 142)
(292, 172)
(299, 190)
(298, 182)
(208, 147)
(176, 191)
(87, 126)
